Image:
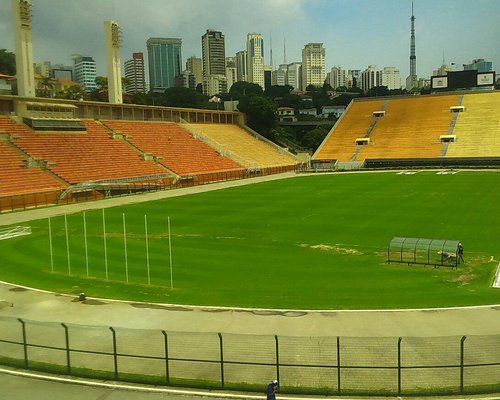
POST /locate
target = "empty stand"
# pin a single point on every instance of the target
(411, 128)
(340, 143)
(16, 178)
(174, 147)
(252, 151)
(80, 157)
(477, 129)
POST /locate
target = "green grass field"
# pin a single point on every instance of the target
(316, 242)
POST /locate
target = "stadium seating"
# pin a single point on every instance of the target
(175, 148)
(341, 141)
(80, 157)
(477, 130)
(251, 151)
(411, 128)
(16, 178)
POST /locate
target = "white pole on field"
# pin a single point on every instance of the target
(125, 245)
(67, 243)
(105, 248)
(85, 241)
(170, 255)
(51, 251)
(147, 246)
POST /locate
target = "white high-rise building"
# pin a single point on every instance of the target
(231, 71)
(85, 72)
(278, 77)
(370, 78)
(338, 77)
(214, 62)
(391, 78)
(294, 75)
(255, 59)
(313, 65)
(134, 72)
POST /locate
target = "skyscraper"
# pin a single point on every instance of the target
(370, 78)
(134, 72)
(165, 60)
(85, 72)
(193, 64)
(241, 65)
(255, 59)
(390, 77)
(412, 80)
(313, 65)
(294, 75)
(213, 48)
(338, 77)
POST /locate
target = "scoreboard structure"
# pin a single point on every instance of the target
(470, 79)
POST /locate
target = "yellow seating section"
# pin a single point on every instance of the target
(251, 152)
(477, 129)
(340, 143)
(410, 128)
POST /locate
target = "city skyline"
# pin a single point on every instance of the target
(354, 33)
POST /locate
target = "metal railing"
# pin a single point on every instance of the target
(320, 365)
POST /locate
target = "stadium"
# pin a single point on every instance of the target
(180, 248)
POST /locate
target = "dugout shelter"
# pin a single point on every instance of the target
(435, 252)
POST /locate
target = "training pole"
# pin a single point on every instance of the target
(105, 248)
(125, 245)
(170, 255)
(50, 246)
(85, 242)
(147, 247)
(67, 243)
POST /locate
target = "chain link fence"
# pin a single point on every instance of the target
(319, 365)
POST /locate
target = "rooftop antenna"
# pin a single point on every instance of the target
(271, 50)
(284, 51)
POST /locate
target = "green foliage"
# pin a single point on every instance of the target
(278, 91)
(315, 137)
(184, 97)
(243, 89)
(260, 112)
(378, 91)
(321, 238)
(7, 62)
(74, 92)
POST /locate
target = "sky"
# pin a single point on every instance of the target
(354, 33)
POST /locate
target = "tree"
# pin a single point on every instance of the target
(378, 91)
(278, 91)
(315, 137)
(260, 112)
(184, 97)
(74, 92)
(7, 62)
(47, 87)
(241, 89)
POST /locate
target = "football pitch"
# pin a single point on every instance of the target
(311, 242)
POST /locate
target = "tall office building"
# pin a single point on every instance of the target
(255, 59)
(134, 72)
(313, 65)
(391, 78)
(85, 72)
(370, 78)
(21, 21)
(165, 60)
(279, 75)
(294, 75)
(241, 66)
(193, 64)
(231, 72)
(213, 49)
(412, 79)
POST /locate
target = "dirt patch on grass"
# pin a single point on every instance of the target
(333, 248)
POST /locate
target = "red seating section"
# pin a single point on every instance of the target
(80, 157)
(16, 178)
(177, 150)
